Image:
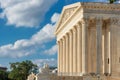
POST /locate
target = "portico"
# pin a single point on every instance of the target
(84, 36)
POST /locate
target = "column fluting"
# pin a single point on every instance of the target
(99, 44)
(67, 53)
(64, 55)
(74, 50)
(58, 43)
(71, 51)
(79, 48)
(84, 46)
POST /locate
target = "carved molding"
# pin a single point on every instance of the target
(88, 10)
(101, 6)
(84, 20)
(99, 20)
(78, 26)
(114, 21)
(101, 11)
(67, 13)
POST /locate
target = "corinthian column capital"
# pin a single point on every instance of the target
(78, 26)
(114, 21)
(99, 20)
(74, 29)
(84, 20)
(70, 32)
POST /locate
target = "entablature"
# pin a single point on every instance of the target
(74, 13)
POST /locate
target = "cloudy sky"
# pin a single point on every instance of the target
(27, 30)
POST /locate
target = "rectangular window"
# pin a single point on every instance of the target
(108, 60)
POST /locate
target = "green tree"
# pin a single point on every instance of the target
(112, 1)
(20, 70)
(3, 75)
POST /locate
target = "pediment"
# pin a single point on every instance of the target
(67, 12)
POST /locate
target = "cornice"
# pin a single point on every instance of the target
(101, 6)
(104, 8)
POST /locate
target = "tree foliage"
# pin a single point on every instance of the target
(20, 70)
(3, 75)
(112, 1)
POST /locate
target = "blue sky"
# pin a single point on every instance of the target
(27, 30)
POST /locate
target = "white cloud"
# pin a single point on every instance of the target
(25, 47)
(118, 1)
(55, 18)
(0, 65)
(41, 62)
(27, 13)
(52, 50)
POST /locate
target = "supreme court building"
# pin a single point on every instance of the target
(88, 38)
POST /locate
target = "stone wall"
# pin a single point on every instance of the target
(55, 77)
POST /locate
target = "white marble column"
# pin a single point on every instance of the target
(79, 49)
(71, 51)
(74, 51)
(58, 43)
(103, 48)
(109, 50)
(106, 55)
(84, 46)
(67, 53)
(99, 44)
(63, 55)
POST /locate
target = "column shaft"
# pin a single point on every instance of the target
(63, 55)
(106, 51)
(58, 43)
(103, 48)
(71, 52)
(84, 47)
(79, 49)
(74, 51)
(67, 54)
(99, 45)
(109, 52)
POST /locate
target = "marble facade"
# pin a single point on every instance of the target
(88, 38)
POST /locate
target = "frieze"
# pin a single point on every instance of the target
(101, 11)
(101, 6)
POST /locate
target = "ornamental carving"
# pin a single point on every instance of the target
(115, 21)
(101, 8)
(67, 13)
(99, 20)
(85, 20)
(98, 6)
